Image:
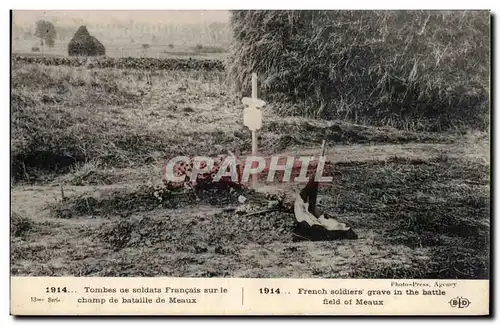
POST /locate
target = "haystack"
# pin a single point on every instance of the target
(381, 67)
(84, 44)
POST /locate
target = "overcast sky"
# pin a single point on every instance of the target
(25, 17)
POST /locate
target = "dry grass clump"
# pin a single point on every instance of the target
(425, 70)
(19, 225)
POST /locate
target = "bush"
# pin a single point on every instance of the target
(419, 69)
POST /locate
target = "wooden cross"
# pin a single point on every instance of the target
(252, 116)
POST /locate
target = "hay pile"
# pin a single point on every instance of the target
(414, 69)
(84, 44)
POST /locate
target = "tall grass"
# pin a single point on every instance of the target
(64, 116)
(417, 69)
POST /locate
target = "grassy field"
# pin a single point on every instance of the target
(419, 201)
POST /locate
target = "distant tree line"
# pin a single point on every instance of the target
(215, 33)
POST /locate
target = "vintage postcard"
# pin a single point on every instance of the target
(263, 162)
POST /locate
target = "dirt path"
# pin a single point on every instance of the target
(342, 153)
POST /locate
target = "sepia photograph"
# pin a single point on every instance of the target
(298, 144)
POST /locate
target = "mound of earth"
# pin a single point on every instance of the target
(221, 233)
(125, 202)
